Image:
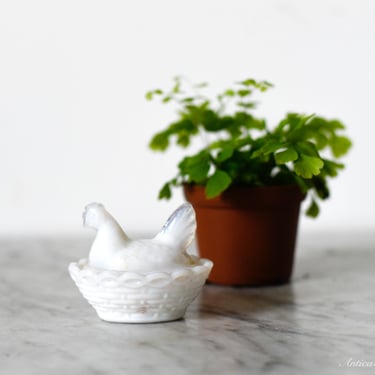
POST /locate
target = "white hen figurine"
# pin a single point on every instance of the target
(112, 249)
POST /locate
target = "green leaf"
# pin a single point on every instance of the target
(176, 87)
(307, 148)
(334, 124)
(283, 157)
(308, 166)
(217, 183)
(260, 85)
(187, 100)
(264, 85)
(268, 148)
(196, 167)
(313, 210)
(183, 139)
(243, 93)
(249, 82)
(210, 121)
(247, 105)
(165, 192)
(256, 123)
(225, 153)
(287, 125)
(321, 141)
(199, 172)
(331, 167)
(340, 146)
(229, 93)
(320, 186)
(243, 118)
(185, 126)
(149, 95)
(159, 142)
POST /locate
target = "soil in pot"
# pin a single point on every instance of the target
(249, 233)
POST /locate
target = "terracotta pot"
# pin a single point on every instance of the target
(249, 233)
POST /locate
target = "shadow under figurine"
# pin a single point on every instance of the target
(140, 281)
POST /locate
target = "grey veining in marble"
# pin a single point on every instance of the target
(317, 324)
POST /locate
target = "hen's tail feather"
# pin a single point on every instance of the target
(179, 229)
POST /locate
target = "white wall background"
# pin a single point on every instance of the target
(74, 125)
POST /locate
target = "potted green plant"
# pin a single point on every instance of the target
(247, 182)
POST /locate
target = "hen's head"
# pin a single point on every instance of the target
(93, 215)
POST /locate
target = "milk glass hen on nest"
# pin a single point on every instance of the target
(140, 280)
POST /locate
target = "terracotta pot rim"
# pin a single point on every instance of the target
(247, 187)
(246, 196)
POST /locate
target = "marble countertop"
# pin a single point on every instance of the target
(323, 322)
